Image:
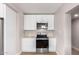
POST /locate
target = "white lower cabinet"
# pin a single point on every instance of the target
(29, 44)
(52, 44)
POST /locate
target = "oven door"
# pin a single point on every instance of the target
(42, 44)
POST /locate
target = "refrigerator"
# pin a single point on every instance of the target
(1, 36)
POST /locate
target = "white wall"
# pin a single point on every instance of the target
(10, 31)
(75, 33)
(13, 31)
(20, 30)
(1, 10)
(63, 25)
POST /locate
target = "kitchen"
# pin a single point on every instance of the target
(37, 29)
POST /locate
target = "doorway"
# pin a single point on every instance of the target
(1, 36)
(75, 31)
(75, 36)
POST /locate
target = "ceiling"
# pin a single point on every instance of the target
(38, 7)
(75, 11)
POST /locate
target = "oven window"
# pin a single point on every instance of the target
(41, 43)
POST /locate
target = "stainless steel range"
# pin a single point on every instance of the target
(42, 44)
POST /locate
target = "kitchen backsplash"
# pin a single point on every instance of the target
(30, 33)
(51, 34)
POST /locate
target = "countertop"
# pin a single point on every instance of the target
(29, 37)
(35, 37)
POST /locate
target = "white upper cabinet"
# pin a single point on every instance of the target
(42, 18)
(31, 20)
(51, 22)
(1, 9)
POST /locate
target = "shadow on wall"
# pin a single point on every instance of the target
(75, 33)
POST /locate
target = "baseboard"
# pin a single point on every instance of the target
(59, 53)
(77, 49)
(18, 53)
(52, 51)
(28, 51)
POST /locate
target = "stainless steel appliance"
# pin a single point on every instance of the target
(42, 44)
(1, 37)
(42, 26)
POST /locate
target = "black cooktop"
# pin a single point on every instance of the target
(41, 36)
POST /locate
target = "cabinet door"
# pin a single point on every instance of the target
(51, 22)
(52, 44)
(38, 18)
(42, 18)
(29, 45)
(29, 22)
